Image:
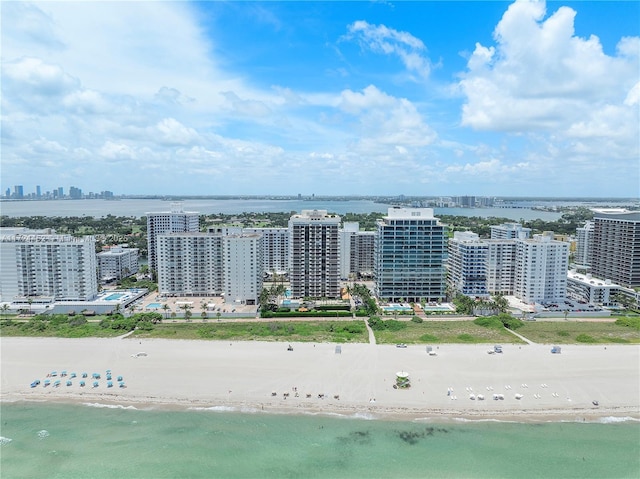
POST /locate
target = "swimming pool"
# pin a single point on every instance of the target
(154, 306)
(114, 297)
(397, 307)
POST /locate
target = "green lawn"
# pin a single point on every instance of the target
(266, 330)
(569, 332)
(48, 330)
(465, 332)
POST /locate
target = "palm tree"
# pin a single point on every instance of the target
(5, 307)
(165, 307)
(30, 301)
(204, 316)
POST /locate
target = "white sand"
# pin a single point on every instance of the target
(242, 375)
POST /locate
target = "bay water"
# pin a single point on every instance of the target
(44, 440)
(140, 207)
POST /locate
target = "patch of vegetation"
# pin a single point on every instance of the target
(466, 338)
(585, 338)
(417, 319)
(299, 331)
(587, 332)
(499, 321)
(378, 324)
(629, 322)
(445, 332)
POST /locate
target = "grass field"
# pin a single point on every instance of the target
(303, 331)
(569, 332)
(465, 332)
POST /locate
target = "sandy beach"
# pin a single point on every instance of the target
(266, 376)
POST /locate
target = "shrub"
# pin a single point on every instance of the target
(585, 338)
(417, 319)
(429, 338)
(467, 338)
(489, 322)
(564, 334)
(629, 321)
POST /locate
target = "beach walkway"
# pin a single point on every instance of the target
(372, 337)
(528, 341)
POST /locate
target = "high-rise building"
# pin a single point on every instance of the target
(117, 263)
(175, 221)
(190, 264)
(18, 192)
(38, 191)
(314, 254)
(410, 250)
(36, 264)
(275, 248)
(242, 268)
(509, 231)
(584, 244)
(501, 266)
(616, 246)
(541, 269)
(75, 193)
(356, 251)
(467, 264)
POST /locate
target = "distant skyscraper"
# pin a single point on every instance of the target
(175, 221)
(60, 192)
(616, 246)
(410, 249)
(75, 193)
(38, 191)
(314, 257)
(18, 191)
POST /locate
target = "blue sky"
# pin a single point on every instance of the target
(332, 98)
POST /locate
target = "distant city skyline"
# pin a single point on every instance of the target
(528, 99)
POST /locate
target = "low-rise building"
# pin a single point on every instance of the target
(116, 263)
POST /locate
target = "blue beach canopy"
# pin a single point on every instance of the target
(47, 382)
(81, 384)
(68, 383)
(119, 378)
(109, 384)
(95, 384)
(84, 375)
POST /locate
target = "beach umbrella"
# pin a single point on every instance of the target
(119, 378)
(35, 383)
(108, 377)
(63, 373)
(95, 384)
(84, 375)
(47, 382)
(121, 384)
(81, 384)
(68, 383)
(108, 371)
(56, 384)
(95, 376)
(73, 375)
(54, 373)
(109, 384)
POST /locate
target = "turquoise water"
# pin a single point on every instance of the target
(154, 306)
(67, 441)
(114, 296)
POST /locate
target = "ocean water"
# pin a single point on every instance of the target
(92, 441)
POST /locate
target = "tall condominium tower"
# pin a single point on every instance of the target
(175, 221)
(275, 248)
(35, 264)
(356, 251)
(541, 269)
(410, 249)
(190, 264)
(501, 266)
(467, 264)
(584, 240)
(509, 231)
(616, 246)
(314, 257)
(242, 268)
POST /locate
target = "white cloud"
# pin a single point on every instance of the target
(385, 40)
